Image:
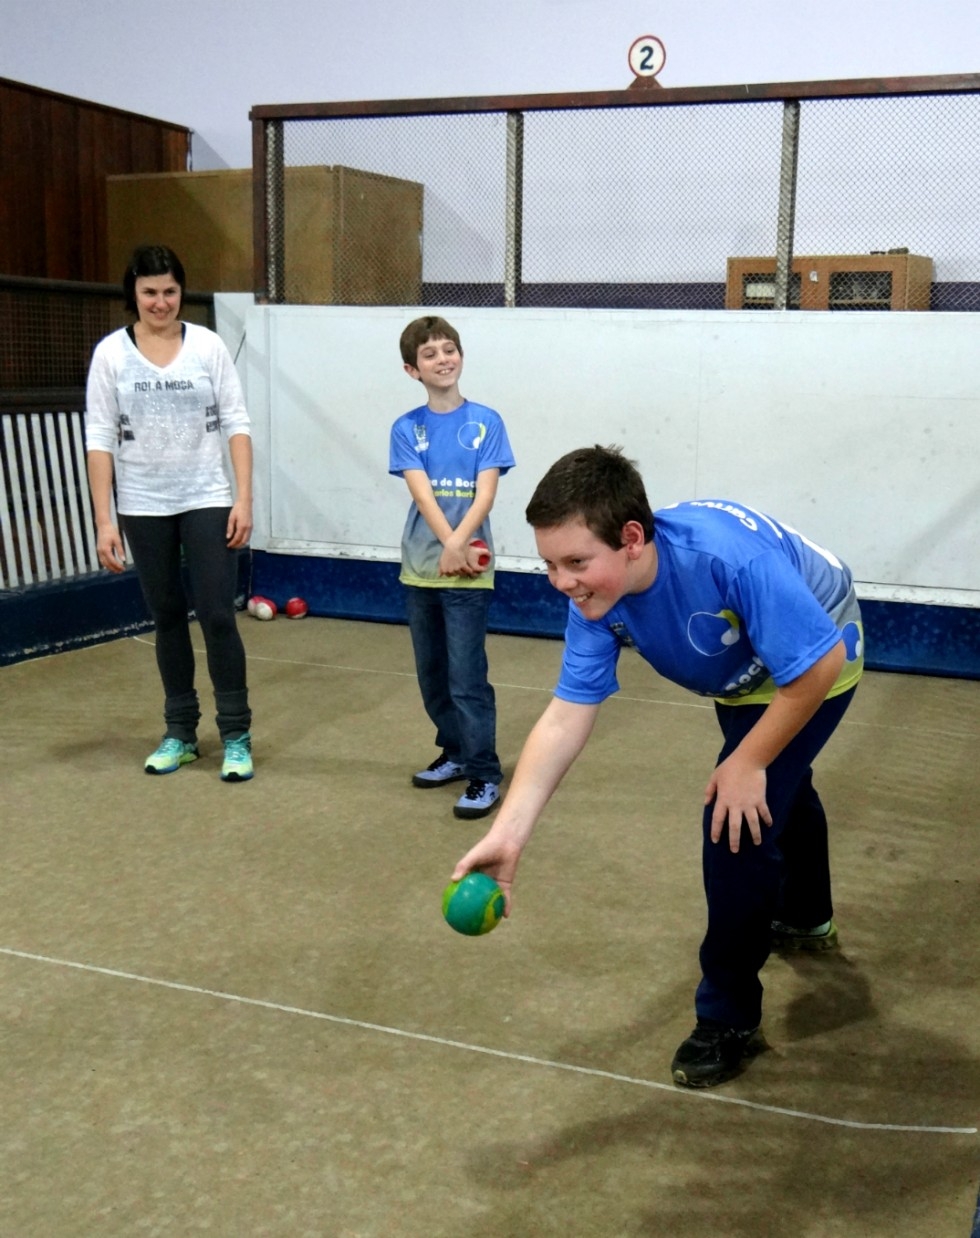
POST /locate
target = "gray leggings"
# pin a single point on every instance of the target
(161, 545)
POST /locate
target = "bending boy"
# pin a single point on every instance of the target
(730, 604)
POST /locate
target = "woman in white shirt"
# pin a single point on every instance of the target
(161, 394)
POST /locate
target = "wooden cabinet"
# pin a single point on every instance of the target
(351, 237)
(834, 282)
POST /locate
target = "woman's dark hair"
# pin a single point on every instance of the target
(151, 260)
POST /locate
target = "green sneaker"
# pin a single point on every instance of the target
(237, 765)
(171, 755)
(786, 937)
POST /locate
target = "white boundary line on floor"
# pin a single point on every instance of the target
(524, 1058)
(697, 703)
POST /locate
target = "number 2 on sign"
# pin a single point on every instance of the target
(647, 56)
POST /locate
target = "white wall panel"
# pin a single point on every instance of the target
(862, 430)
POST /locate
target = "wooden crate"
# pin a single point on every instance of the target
(890, 281)
(351, 237)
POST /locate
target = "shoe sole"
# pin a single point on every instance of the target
(474, 814)
(808, 945)
(150, 769)
(425, 783)
(236, 777)
(683, 1081)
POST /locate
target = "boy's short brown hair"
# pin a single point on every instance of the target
(596, 485)
(420, 331)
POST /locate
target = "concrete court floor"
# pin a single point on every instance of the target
(235, 1009)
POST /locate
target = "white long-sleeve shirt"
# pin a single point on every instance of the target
(163, 424)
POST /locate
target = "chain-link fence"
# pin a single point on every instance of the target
(628, 199)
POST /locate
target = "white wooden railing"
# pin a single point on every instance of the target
(46, 527)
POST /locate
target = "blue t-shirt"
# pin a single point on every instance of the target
(740, 604)
(452, 449)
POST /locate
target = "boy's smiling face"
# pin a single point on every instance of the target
(438, 365)
(589, 571)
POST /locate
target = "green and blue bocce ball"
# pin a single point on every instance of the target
(473, 905)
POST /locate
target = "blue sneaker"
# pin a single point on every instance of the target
(477, 800)
(237, 766)
(171, 755)
(439, 773)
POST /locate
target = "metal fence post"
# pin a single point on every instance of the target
(514, 209)
(268, 211)
(786, 221)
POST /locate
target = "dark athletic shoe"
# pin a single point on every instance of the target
(441, 772)
(711, 1054)
(786, 937)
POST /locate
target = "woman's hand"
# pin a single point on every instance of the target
(239, 528)
(109, 548)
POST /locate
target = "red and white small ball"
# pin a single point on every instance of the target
(482, 551)
(296, 608)
(262, 607)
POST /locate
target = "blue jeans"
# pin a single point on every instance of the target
(449, 628)
(786, 877)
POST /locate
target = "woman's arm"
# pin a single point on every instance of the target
(108, 543)
(240, 517)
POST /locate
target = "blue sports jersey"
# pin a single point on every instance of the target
(452, 449)
(740, 605)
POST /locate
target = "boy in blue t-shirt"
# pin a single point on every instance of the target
(451, 453)
(736, 606)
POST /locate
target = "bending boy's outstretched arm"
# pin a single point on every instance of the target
(557, 738)
(738, 784)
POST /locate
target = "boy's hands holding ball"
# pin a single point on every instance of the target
(478, 554)
(465, 559)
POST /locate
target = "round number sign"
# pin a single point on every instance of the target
(647, 56)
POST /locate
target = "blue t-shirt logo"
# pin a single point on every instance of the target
(713, 634)
(471, 434)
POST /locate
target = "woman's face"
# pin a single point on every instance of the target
(157, 300)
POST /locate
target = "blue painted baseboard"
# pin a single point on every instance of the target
(48, 618)
(900, 636)
(37, 620)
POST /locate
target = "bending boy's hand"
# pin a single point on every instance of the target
(497, 858)
(738, 789)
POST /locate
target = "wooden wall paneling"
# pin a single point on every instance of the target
(22, 135)
(55, 153)
(61, 186)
